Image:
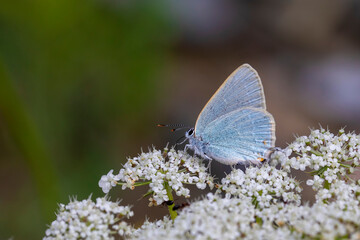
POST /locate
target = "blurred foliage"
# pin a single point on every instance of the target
(78, 71)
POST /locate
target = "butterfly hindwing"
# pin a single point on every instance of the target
(242, 135)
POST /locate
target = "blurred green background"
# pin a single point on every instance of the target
(83, 84)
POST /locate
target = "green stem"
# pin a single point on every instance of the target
(345, 165)
(136, 184)
(316, 153)
(142, 183)
(349, 178)
(173, 214)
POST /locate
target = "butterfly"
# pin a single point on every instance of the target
(234, 126)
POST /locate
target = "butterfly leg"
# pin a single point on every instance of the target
(188, 146)
(182, 142)
(206, 157)
(196, 150)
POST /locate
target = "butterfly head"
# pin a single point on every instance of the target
(189, 133)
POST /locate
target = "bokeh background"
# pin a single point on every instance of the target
(83, 84)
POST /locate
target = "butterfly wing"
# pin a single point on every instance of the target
(241, 89)
(242, 135)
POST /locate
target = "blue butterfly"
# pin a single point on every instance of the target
(234, 126)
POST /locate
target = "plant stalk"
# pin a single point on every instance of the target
(173, 214)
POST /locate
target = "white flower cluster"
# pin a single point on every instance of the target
(319, 221)
(260, 203)
(210, 218)
(89, 220)
(264, 186)
(332, 157)
(223, 218)
(160, 170)
(347, 195)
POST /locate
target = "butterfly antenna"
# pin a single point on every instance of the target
(175, 127)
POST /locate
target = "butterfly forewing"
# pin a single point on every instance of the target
(241, 89)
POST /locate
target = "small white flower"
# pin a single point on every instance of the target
(108, 181)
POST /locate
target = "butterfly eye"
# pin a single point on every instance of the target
(190, 132)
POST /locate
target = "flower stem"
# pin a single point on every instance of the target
(135, 184)
(173, 214)
(142, 183)
(316, 153)
(345, 165)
